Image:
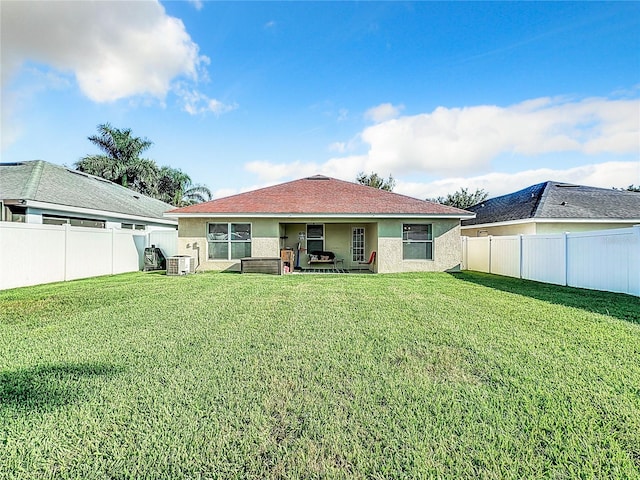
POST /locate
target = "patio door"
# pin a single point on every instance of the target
(357, 245)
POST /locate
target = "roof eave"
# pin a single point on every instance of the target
(319, 215)
(91, 211)
(631, 221)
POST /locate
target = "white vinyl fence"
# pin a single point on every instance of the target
(33, 254)
(600, 260)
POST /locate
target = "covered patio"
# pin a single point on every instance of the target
(331, 247)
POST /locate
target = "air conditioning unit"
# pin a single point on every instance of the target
(181, 265)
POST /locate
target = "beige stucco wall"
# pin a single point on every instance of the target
(520, 228)
(192, 240)
(384, 237)
(550, 228)
(447, 250)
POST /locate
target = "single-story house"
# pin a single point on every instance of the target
(553, 207)
(44, 193)
(323, 220)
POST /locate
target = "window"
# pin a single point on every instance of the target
(16, 214)
(315, 238)
(133, 226)
(229, 241)
(417, 241)
(74, 222)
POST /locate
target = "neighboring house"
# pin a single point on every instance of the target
(322, 214)
(44, 193)
(554, 207)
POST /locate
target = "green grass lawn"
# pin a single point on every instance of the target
(301, 376)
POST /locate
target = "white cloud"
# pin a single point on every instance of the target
(605, 175)
(339, 147)
(450, 141)
(197, 4)
(195, 103)
(383, 112)
(114, 49)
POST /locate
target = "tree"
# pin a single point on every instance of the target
(376, 181)
(121, 162)
(175, 187)
(630, 188)
(462, 198)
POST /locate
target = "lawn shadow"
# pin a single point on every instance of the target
(618, 305)
(46, 387)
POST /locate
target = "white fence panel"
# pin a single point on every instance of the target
(505, 255)
(165, 240)
(35, 254)
(128, 251)
(601, 260)
(89, 252)
(543, 258)
(30, 254)
(479, 254)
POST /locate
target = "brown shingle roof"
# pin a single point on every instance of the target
(320, 195)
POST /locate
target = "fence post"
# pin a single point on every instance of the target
(67, 229)
(490, 249)
(566, 258)
(635, 262)
(521, 260)
(113, 249)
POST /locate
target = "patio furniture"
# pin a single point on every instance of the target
(372, 258)
(320, 257)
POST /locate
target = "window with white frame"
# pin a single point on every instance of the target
(133, 226)
(315, 238)
(417, 241)
(73, 221)
(229, 241)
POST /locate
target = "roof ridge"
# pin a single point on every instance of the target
(541, 198)
(31, 186)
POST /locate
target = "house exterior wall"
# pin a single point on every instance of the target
(192, 240)
(540, 228)
(383, 237)
(553, 228)
(528, 228)
(111, 219)
(447, 250)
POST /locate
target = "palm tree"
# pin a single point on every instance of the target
(175, 187)
(121, 162)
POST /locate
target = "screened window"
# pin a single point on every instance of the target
(229, 241)
(16, 214)
(417, 241)
(133, 226)
(315, 238)
(74, 222)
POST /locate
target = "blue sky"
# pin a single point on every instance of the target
(441, 95)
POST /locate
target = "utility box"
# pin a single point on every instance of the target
(181, 265)
(154, 259)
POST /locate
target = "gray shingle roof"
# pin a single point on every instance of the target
(41, 181)
(558, 200)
